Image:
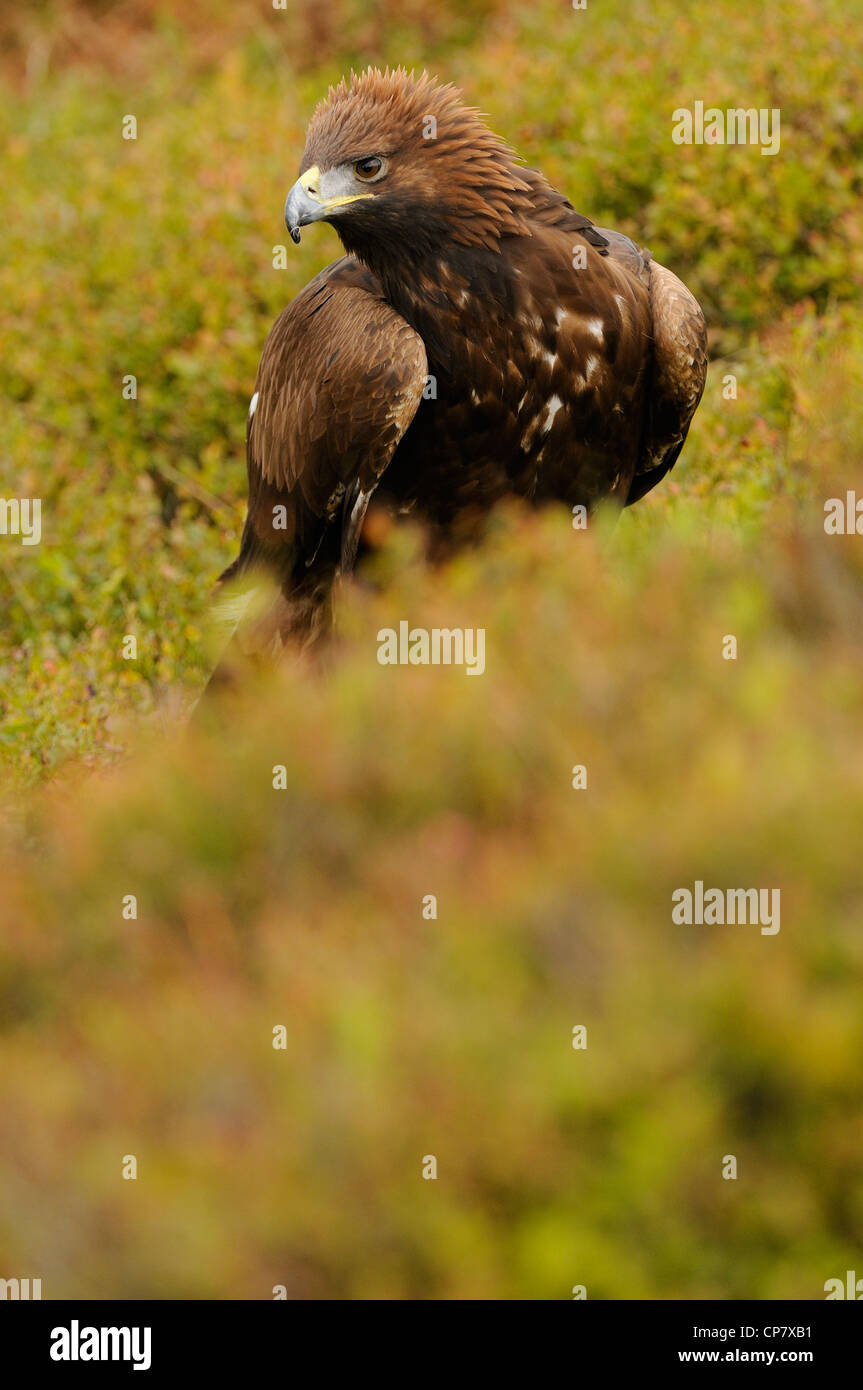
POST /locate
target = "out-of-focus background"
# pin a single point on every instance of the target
(408, 1036)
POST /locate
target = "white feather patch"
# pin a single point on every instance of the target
(229, 612)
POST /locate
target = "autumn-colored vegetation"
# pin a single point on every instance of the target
(407, 1035)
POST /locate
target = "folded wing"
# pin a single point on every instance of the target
(340, 379)
(679, 335)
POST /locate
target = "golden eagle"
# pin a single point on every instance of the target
(480, 338)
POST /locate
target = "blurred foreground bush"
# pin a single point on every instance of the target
(451, 1037)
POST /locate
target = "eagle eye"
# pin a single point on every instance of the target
(370, 169)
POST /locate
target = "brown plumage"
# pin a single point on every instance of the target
(480, 338)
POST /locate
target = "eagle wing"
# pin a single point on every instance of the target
(340, 379)
(679, 374)
(679, 335)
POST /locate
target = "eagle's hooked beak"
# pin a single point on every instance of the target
(305, 202)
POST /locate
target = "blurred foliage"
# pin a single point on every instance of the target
(258, 907)
(408, 1037)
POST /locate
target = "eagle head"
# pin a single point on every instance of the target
(401, 162)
